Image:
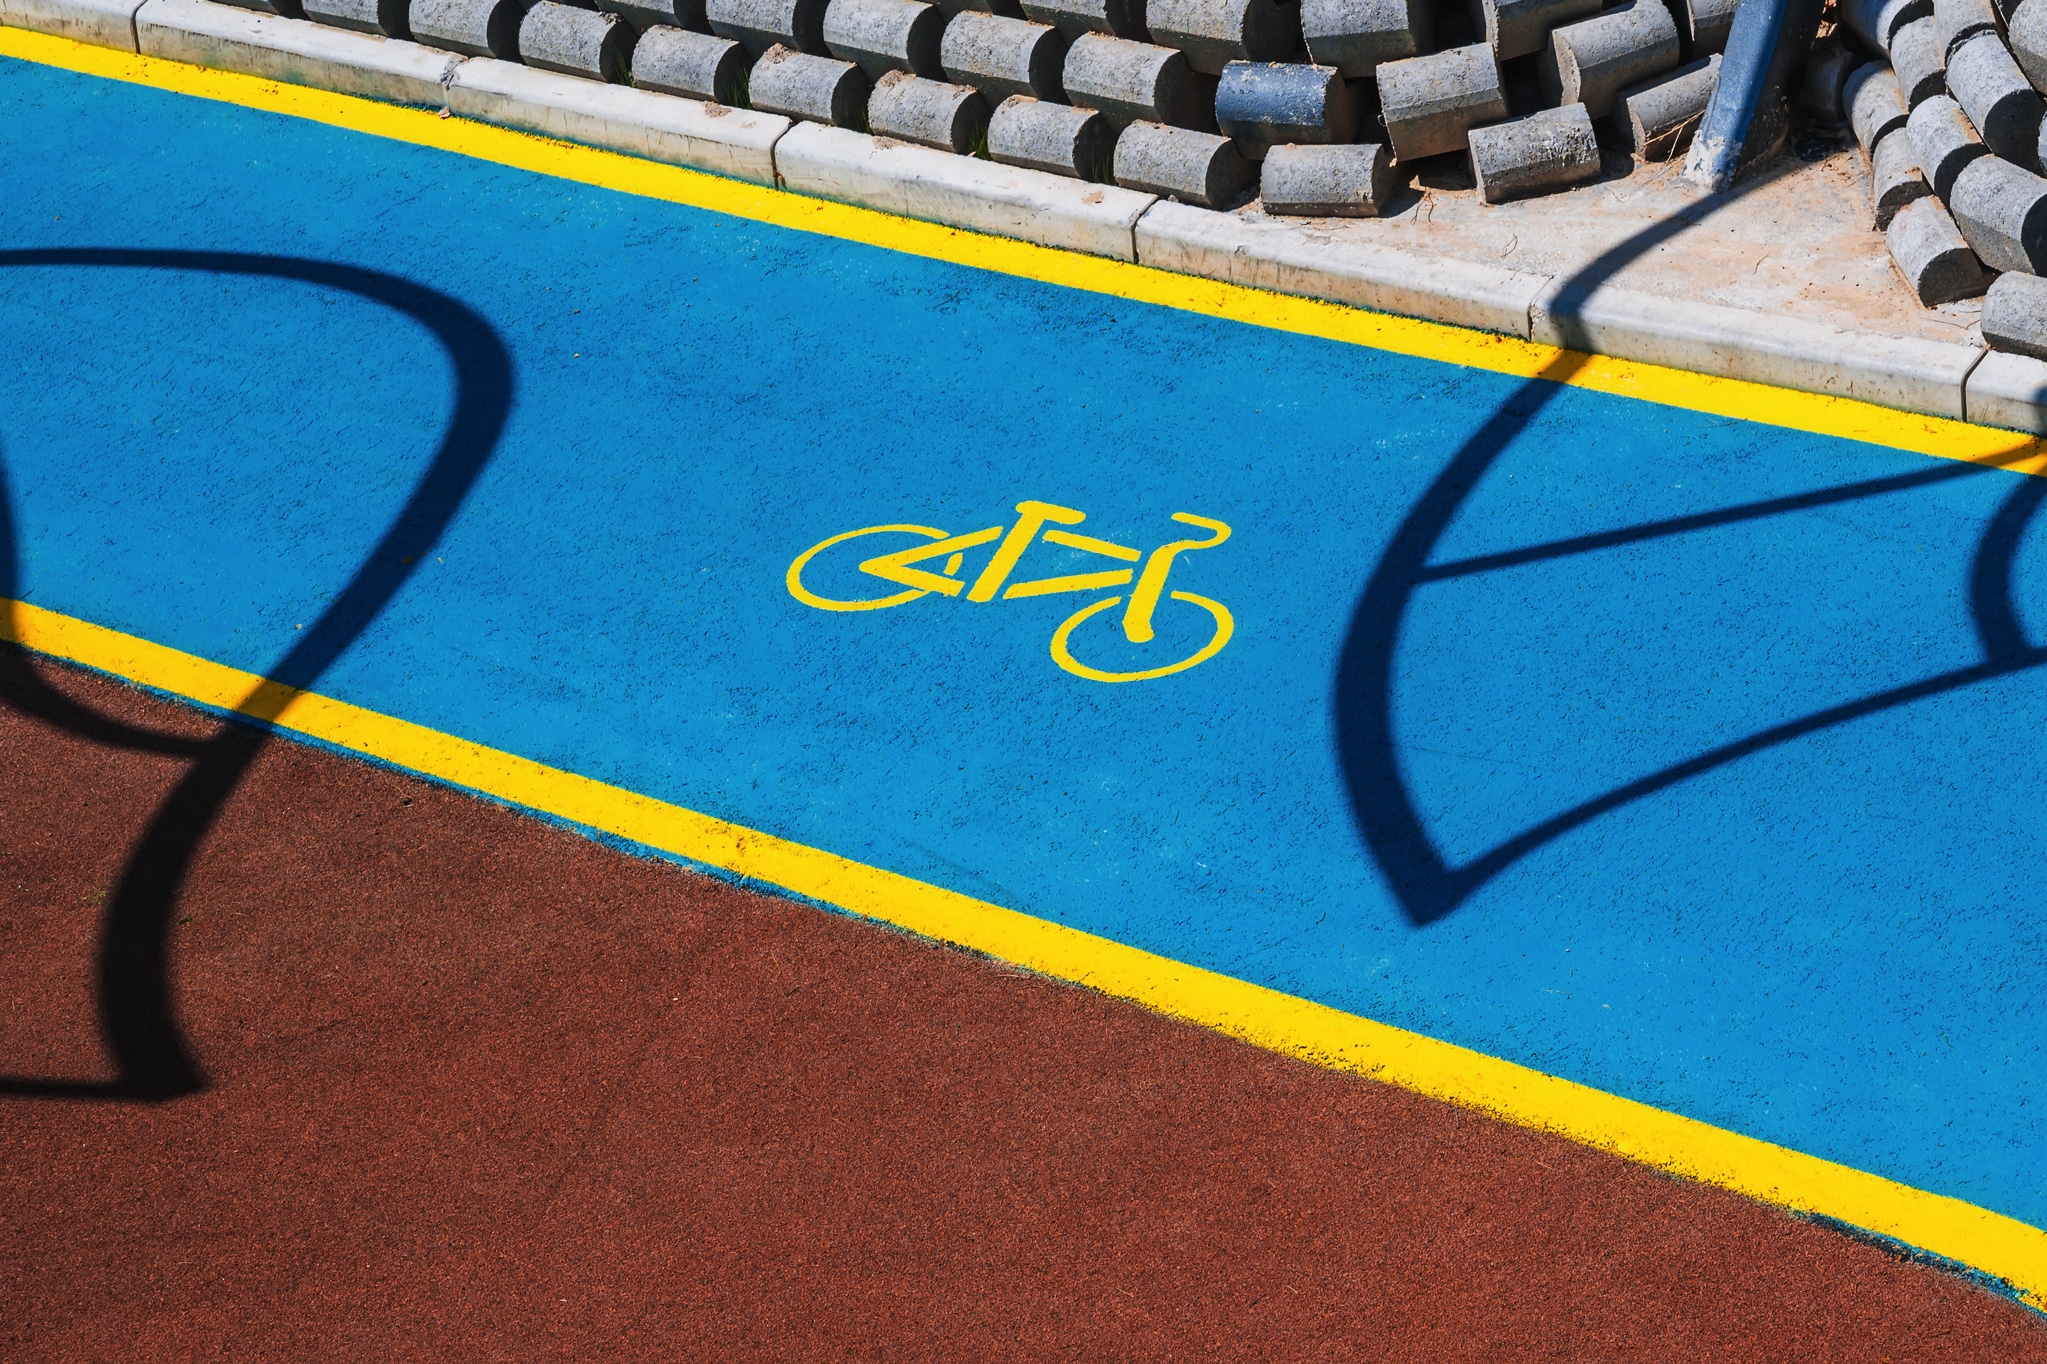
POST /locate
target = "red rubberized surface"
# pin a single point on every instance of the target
(480, 1089)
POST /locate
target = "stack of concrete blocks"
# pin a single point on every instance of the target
(1952, 128)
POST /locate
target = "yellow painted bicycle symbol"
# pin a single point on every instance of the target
(1032, 518)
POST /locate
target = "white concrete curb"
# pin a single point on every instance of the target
(1735, 343)
(1944, 378)
(960, 191)
(681, 132)
(2009, 390)
(1297, 260)
(292, 50)
(103, 23)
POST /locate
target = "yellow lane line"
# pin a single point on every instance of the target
(1830, 416)
(1990, 1242)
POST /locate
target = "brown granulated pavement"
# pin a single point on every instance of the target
(480, 1089)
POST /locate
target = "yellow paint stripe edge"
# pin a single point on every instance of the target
(1816, 413)
(1999, 1246)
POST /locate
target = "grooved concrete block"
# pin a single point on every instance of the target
(2015, 315)
(1516, 28)
(293, 51)
(290, 9)
(1350, 181)
(2010, 391)
(1957, 21)
(2002, 211)
(1928, 250)
(1055, 138)
(576, 42)
(674, 61)
(103, 23)
(1996, 96)
(1916, 57)
(2028, 38)
(1215, 32)
(476, 28)
(821, 89)
(1195, 167)
(758, 25)
(1703, 25)
(1354, 36)
(1819, 92)
(1943, 142)
(1895, 178)
(1116, 18)
(385, 18)
(681, 132)
(1591, 61)
(1550, 149)
(1876, 106)
(1002, 57)
(1137, 82)
(1008, 9)
(644, 15)
(1431, 103)
(1876, 21)
(1266, 104)
(880, 36)
(961, 191)
(1657, 120)
(952, 118)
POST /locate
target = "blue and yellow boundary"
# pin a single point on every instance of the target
(2002, 1248)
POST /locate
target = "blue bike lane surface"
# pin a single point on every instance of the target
(1831, 940)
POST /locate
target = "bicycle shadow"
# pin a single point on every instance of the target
(152, 1060)
(1426, 884)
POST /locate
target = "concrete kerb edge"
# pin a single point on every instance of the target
(1896, 372)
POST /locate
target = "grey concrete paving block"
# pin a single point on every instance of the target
(1214, 32)
(1117, 18)
(681, 132)
(1181, 163)
(1354, 36)
(290, 9)
(952, 118)
(1591, 61)
(1895, 178)
(1819, 91)
(1875, 21)
(102, 23)
(1549, 149)
(1430, 103)
(571, 41)
(1001, 56)
(2009, 391)
(1008, 9)
(1876, 106)
(385, 18)
(1957, 21)
(648, 14)
(1137, 82)
(1703, 25)
(1269, 104)
(799, 85)
(1055, 138)
(476, 28)
(1656, 120)
(880, 36)
(1943, 142)
(674, 61)
(2015, 315)
(1928, 250)
(1356, 180)
(277, 48)
(1516, 28)
(1916, 57)
(1996, 96)
(2028, 38)
(758, 25)
(2002, 211)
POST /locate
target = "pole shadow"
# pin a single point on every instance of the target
(153, 1062)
